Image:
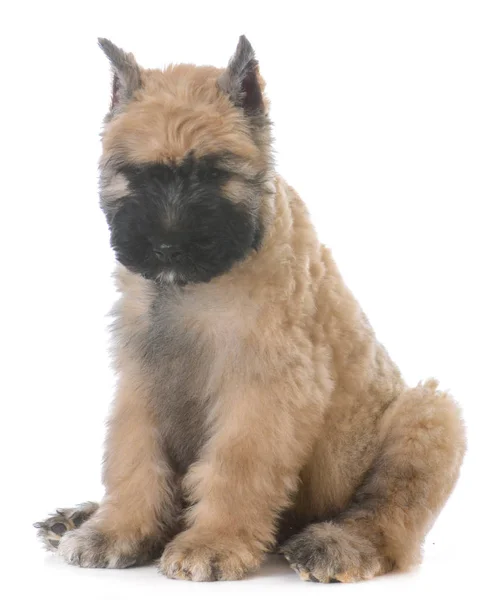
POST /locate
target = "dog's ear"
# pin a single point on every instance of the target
(126, 73)
(241, 79)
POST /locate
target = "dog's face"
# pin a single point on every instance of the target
(185, 165)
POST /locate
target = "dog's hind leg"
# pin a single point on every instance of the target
(54, 527)
(421, 446)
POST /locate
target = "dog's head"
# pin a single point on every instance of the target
(185, 164)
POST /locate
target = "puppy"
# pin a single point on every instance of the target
(255, 410)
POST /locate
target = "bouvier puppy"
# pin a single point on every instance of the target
(255, 410)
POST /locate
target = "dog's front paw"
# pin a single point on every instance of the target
(89, 547)
(56, 526)
(206, 557)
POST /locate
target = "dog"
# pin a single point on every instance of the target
(255, 409)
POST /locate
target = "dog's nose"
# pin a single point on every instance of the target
(166, 252)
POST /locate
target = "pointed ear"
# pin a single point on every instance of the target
(241, 80)
(126, 73)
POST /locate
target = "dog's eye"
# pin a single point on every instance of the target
(216, 172)
(212, 173)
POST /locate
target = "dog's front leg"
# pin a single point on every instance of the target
(246, 475)
(139, 511)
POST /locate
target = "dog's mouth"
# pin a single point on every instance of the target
(181, 273)
(161, 275)
(169, 277)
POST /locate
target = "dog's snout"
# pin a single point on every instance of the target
(166, 252)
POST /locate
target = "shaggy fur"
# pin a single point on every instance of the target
(255, 409)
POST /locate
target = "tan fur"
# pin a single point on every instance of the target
(176, 112)
(134, 463)
(311, 417)
(320, 411)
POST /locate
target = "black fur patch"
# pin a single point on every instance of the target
(178, 221)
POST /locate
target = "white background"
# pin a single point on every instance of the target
(388, 119)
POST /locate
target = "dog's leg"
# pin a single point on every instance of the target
(422, 445)
(245, 477)
(139, 510)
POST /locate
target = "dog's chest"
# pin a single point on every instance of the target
(184, 350)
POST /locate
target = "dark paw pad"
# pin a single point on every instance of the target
(59, 528)
(56, 526)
